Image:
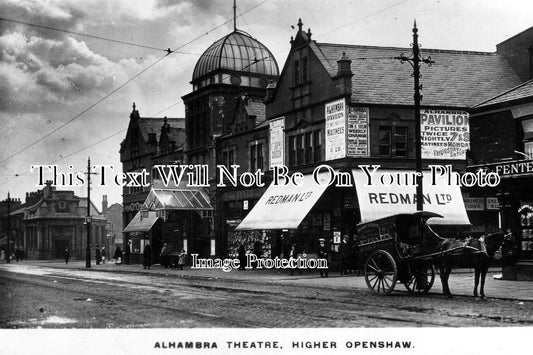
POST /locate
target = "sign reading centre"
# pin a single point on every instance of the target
(347, 131)
(445, 134)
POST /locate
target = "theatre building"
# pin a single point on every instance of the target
(349, 106)
(225, 122)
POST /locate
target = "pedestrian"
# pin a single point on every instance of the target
(17, 253)
(293, 255)
(242, 257)
(2, 255)
(164, 256)
(103, 255)
(344, 251)
(66, 255)
(127, 252)
(147, 256)
(97, 255)
(118, 256)
(181, 259)
(22, 254)
(323, 253)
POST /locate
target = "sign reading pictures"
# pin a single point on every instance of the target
(277, 143)
(335, 113)
(445, 134)
(358, 132)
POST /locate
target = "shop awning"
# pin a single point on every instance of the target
(284, 206)
(381, 198)
(142, 222)
(177, 199)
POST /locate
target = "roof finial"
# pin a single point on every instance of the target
(134, 106)
(300, 24)
(234, 15)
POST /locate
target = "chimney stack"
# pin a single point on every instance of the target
(104, 203)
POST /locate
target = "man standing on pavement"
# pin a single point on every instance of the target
(147, 256)
(103, 255)
(323, 254)
(97, 255)
(67, 255)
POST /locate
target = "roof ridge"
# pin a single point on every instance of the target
(432, 50)
(505, 92)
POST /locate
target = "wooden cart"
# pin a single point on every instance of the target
(400, 248)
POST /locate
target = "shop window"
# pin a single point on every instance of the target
(528, 149)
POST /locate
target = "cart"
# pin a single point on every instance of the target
(399, 248)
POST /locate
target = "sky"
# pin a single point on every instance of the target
(65, 97)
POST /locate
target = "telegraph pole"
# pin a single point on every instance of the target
(415, 60)
(8, 254)
(88, 218)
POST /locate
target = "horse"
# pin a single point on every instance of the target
(473, 253)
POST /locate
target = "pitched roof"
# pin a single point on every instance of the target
(522, 91)
(177, 134)
(153, 125)
(457, 79)
(257, 109)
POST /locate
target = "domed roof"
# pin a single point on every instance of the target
(237, 51)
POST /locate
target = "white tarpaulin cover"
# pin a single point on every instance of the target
(381, 199)
(284, 207)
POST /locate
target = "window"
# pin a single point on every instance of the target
(400, 141)
(296, 72)
(384, 138)
(317, 145)
(300, 149)
(308, 147)
(292, 150)
(304, 69)
(393, 141)
(228, 157)
(256, 156)
(305, 148)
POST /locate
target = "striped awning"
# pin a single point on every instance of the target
(142, 222)
(177, 199)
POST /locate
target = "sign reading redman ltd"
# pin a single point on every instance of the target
(392, 193)
(445, 134)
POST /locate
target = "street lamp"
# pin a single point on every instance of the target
(415, 60)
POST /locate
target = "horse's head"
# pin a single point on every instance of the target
(494, 241)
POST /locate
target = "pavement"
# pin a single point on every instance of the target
(461, 280)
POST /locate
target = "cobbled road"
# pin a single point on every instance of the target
(51, 298)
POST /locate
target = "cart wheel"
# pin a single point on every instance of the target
(381, 272)
(420, 279)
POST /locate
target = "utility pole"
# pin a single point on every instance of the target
(88, 218)
(8, 254)
(415, 60)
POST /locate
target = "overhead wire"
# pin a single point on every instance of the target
(169, 51)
